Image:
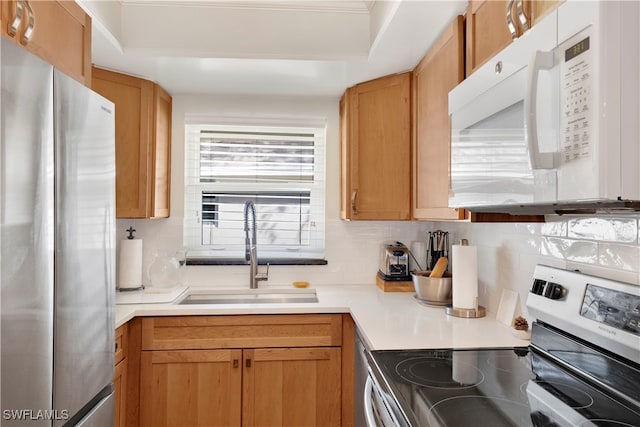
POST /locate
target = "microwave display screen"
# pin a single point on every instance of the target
(575, 50)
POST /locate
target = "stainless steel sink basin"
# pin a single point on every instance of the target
(252, 296)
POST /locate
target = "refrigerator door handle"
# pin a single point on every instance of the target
(100, 415)
(109, 227)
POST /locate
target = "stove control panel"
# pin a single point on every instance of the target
(599, 310)
(614, 308)
(547, 289)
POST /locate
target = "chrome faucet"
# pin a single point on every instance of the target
(250, 247)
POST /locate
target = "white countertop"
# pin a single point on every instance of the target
(386, 320)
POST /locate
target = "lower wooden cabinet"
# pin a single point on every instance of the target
(291, 387)
(260, 382)
(252, 387)
(191, 388)
(120, 375)
(120, 393)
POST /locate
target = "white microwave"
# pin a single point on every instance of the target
(551, 124)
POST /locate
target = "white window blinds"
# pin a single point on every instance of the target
(281, 169)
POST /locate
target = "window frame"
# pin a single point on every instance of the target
(199, 254)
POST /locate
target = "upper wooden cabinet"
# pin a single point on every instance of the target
(540, 8)
(143, 143)
(487, 31)
(487, 28)
(376, 150)
(438, 72)
(57, 31)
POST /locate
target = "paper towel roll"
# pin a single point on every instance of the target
(465, 276)
(130, 272)
(419, 250)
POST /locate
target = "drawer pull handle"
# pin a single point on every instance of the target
(522, 17)
(31, 23)
(248, 363)
(235, 363)
(354, 207)
(511, 26)
(17, 20)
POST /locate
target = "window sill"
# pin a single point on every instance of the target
(262, 261)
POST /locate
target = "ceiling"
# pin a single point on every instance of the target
(264, 47)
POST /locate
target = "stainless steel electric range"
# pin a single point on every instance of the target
(582, 367)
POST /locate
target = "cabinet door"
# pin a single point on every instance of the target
(143, 143)
(161, 155)
(378, 149)
(345, 178)
(191, 388)
(120, 393)
(133, 98)
(294, 387)
(61, 35)
(439, 72)
(487, 32)
(541, 8)
(121, 339)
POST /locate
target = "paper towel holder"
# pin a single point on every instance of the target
(119, 288)
(130, 230)
(469, 313)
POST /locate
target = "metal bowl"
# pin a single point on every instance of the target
(435, 290)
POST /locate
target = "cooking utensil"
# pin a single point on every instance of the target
(440, 267)
(438, 246)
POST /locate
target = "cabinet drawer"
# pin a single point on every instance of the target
(251, 331)
(121, 344)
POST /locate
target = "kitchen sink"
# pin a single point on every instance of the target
(251, 296)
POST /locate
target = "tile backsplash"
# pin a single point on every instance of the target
(605, 246)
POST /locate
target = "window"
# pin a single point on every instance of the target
(281, 169)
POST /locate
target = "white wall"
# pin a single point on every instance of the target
(507, 253)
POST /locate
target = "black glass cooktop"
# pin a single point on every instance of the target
(494, 387)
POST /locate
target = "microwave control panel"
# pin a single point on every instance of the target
(576, 95)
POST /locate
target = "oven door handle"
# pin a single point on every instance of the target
(369, 416)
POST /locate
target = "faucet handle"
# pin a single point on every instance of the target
(261, 277)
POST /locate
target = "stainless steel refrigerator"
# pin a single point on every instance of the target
(57, 247)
